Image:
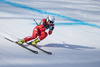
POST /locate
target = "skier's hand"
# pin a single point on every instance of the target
(51, 28)
(47, 26)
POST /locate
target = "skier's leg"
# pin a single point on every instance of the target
(28, 38)
(41, 37)
(34, 35)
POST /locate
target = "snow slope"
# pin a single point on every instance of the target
(75, 41)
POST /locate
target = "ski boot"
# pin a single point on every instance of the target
(21, 41)
(35, 41)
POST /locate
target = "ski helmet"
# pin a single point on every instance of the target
(51, 19)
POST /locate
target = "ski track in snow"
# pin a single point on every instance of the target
(73, 42)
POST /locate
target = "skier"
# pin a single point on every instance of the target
(39, 32)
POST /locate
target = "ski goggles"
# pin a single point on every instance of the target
(50, 21)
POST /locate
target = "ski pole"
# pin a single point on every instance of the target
(35, 22)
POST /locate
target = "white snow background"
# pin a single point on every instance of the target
(75, 41)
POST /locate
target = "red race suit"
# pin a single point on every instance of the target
(40, 31)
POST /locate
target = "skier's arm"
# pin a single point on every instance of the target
(42, 23)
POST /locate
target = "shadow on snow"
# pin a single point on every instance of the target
(69, 46)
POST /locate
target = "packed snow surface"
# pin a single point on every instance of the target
(75, 41)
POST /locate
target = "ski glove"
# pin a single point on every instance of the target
(51, 28)
(47, 26)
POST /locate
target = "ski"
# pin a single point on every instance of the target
(33, 51)
(50, 53)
